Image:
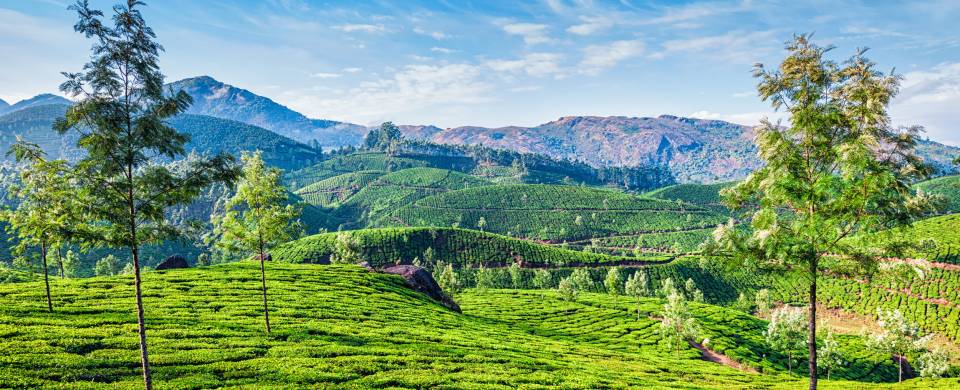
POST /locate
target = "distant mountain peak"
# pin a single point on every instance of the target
(39, 100)
(3, 104)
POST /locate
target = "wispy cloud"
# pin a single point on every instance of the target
(414, 87)
(324, 75)
(443, 50)
(532, 64)
(438, 35)
(930, 98)
(744, 47)
(599, 57)
(532, 33)
(744, 118)
(591, 25)
(366, 28)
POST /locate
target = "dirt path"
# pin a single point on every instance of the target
(712, 356)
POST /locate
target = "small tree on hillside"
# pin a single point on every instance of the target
(693, 293)
(677, 325)
(787, 332)
(516, 275)
(934, 363)
(764, 303)
(47, 205)
(567, 289)
(637, 286)
(542, 279)
(613, 282)
(838, 169)
(447, 279)
(831, 356)
(898, 337)
(581, 279)
(106, 266)
(484, 278)
(257, 217)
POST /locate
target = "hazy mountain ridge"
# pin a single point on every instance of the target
(39, 100)
(207, 135)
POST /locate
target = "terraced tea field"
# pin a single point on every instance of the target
(341, 326)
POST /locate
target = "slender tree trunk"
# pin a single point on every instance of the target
(141, 323)
(899, 369)
(263, 283)
(812, 339)
(60, 263)
(46, 276)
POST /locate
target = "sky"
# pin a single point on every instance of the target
(497, 63)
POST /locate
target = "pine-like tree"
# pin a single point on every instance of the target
(120, 116)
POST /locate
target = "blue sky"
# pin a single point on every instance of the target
(493, 63)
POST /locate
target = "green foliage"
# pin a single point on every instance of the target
(542, 279)
(107, 266)
(257, 216)
(678, 324)
(448, 280)
(459, 247)
(787, 332)
(934, 363)
(830, 355)
(898, 337)
(613, 282)
(567, 289)
(947, 187)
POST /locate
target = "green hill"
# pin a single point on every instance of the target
(698, 194)
(946, 186)
(460, 247)
(342, 326)
(551, 212)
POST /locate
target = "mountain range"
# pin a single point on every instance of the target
(695, 150)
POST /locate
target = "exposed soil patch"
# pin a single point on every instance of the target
(713, 356)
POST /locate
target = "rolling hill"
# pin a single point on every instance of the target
(551, 212)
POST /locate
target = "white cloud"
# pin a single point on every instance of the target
(353, 70)
(443, 50)
(438, 35)
(367, 28)
(533, 64)
(599, 57)
(683, 15)
(591, 25)
(746, 47)
(930, 98)
(324, 75)
(745, 118)
(412, 88)
(532, 33)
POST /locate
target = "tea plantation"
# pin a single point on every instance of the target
(342, 326)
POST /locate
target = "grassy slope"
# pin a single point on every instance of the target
(353, 328)
(342, 326)
(550, 212)
(948, 187)
(457, 246)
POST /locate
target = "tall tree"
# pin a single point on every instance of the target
(837, 170)
(120, 116)
(46, 205)
(257, 217)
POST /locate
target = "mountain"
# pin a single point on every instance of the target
(3, 105)
(207, 135)
(216, 99)
(695, 150)
(39, 100)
